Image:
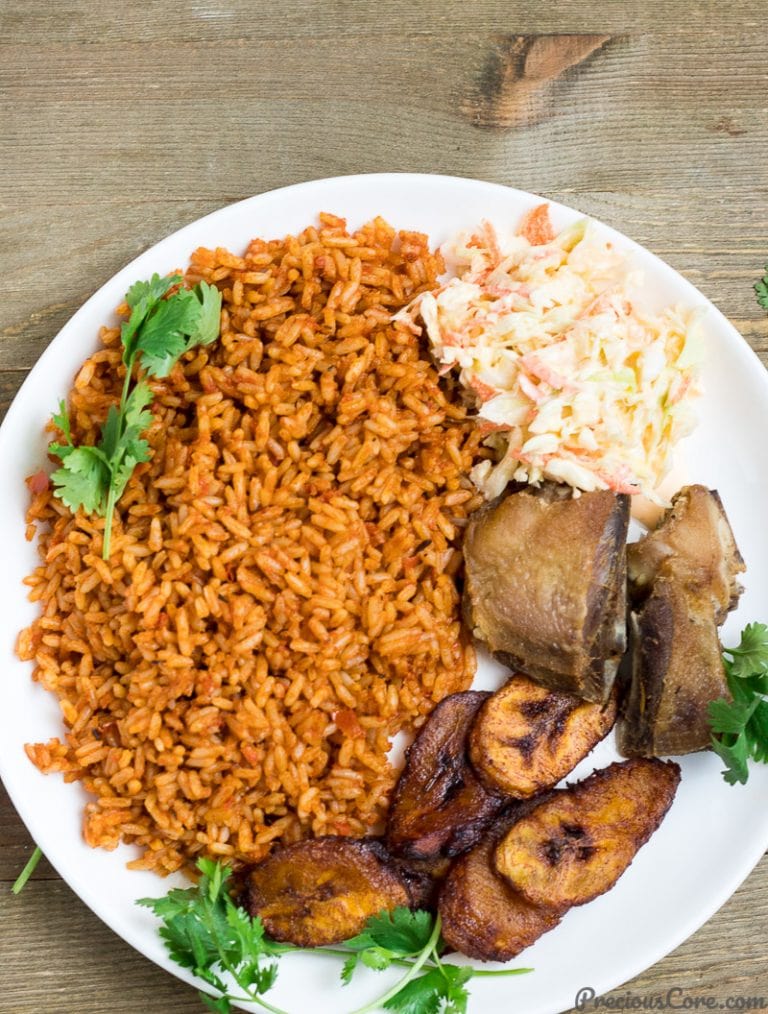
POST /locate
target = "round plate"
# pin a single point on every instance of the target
(713, 834)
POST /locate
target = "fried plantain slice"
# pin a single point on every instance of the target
(525, 738)
(321, 892)
(423, 878)
(440, 807)
(482, 916)
(575, 845)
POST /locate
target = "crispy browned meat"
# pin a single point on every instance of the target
(323, 891)
(675, 669)
(575, 845)
(694, 546)
(682, 584)
(440, 807)
(545, 585)
(525, 738)
(482, 916)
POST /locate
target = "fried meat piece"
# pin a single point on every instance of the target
(682, 584)
(440, 807)
(482, 916)
(525, 738)
(320, 892)
(675, 669)
(575, 845)
(694, 546)
(545, 585)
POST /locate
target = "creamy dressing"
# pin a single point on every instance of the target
(576, 380)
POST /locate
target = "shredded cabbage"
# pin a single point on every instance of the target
(575, 379)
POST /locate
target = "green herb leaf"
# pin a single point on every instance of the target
(207, 330)
(751, 656)
(61, 419)
(727, 716)
(439, 989)
(220, 1004)
(83, 480)
(761, 289)
(377, 958)
(401, 931)
(348, 969)
(163, 336)
(142, 297)
(734, 757)
(159, 330)
(740, 726)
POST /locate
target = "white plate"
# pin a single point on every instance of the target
(713, 835)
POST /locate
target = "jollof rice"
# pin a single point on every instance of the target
(281, 594)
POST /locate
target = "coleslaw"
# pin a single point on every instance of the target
(575, 379)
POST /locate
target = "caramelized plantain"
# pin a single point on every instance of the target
(525, 738)
(323, 891)
(482, 916)
(440, 807)
(423, 878)
(575, 845)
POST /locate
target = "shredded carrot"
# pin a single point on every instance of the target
(536, 226)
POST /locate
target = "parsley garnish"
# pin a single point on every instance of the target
(159, 330)
(206, 931)
(761, 288)
(740, 726)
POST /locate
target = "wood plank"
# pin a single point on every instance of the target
(226, 19)
(122, 115)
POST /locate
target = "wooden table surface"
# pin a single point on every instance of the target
(123, 121)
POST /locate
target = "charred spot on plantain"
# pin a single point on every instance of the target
(574, 839)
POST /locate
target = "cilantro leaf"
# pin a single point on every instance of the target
(151, 292)
(734, 756)
(440, 988)
(751, 656)
(159, 330)
(82, 480)
(419, 996)
(61, 419)
(730, 716)
(220, 1004)
(761, 289)
(400, 931)
(377, 958)
(163, 335)
(207, 330)
(142, 297)
(740, 726)
(348, 969)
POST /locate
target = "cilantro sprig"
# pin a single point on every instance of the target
(761, 289)
(161, 328)
(206, 931)
(740, 726)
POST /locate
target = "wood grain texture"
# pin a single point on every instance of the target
(518, 84)
(120, 125)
